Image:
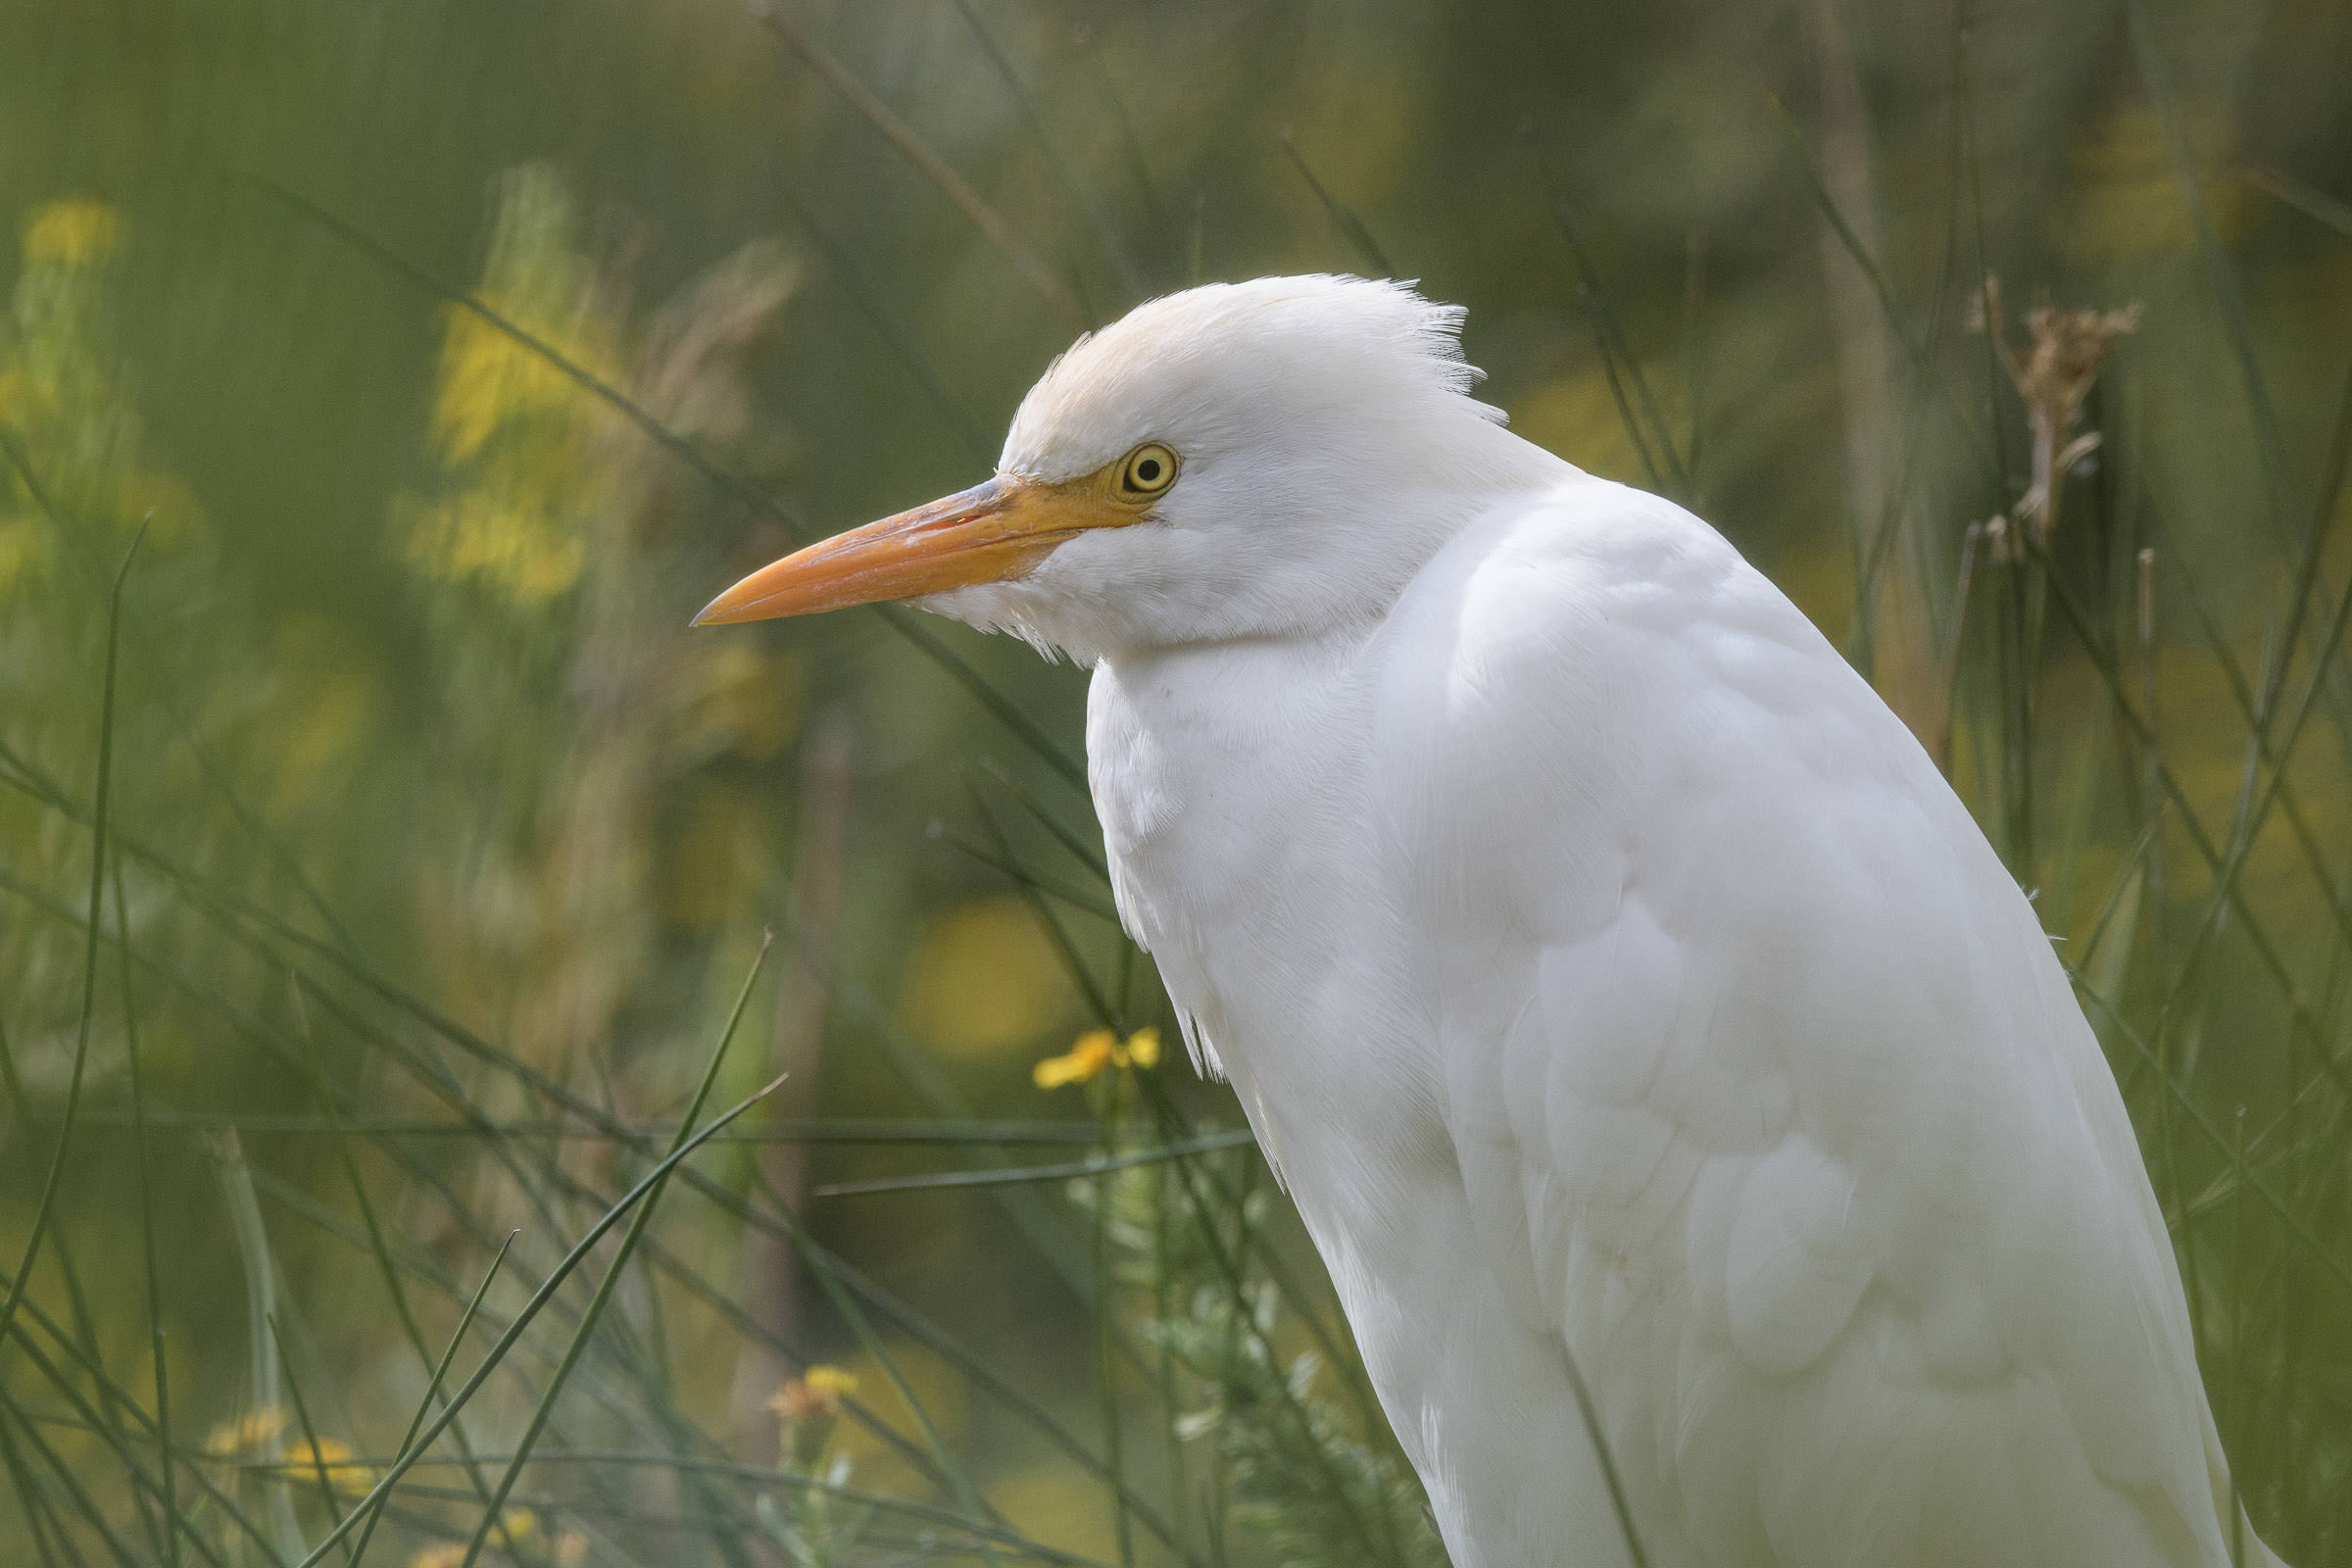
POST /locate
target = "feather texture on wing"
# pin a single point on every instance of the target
(1815, 1165)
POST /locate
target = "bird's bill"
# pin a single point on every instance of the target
(993, 532)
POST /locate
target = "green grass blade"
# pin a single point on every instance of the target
(548, 1287)
(1106, 1377)
(310, 1433)
(881, 1302)
(1615, 347)
(1058, 172)
(255, 1257)
(1032, 881)
(1062, 834)
(1139, 167)
(381, 1250)
(84, 1504)
(845, 1301)
(594, 1115)
(432, 1390)
(99, 816)
(613, 1274)
(1342, 217)
(1694, 361)
(2213, 1135)
(1240, 1137)
(40, 1520)
(1097, 1000)
(92, 1421)
(2250, 922)
(1884, 292)
(1608, 1466)
(933, 168)
(895, 334)
(659, 1460)
(2226, 298)
(85, 1330)
(1036, 1222)
(174, 1524)
(1001, 707)
(2308, 200)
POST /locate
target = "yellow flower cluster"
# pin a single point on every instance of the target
(304, 1461)
(63, 389)
(248, 1432)
(488, 379)
(832, 1380)
(527, 455)
(335, 1461)
(71, 233)
(809, 1408)
(570, 1548)
(820, 1394)
(523, 549)
(1095, 1051)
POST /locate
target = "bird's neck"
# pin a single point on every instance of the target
(1230, 780)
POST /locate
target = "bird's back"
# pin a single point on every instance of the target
(1771, 1104)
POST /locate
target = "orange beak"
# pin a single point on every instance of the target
(994, 532)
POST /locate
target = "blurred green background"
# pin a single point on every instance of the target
(451, 355)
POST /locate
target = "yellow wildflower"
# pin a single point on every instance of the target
(572, 1547)
(527, 551)
(820, 1394)
(809, 1408)
(525, 456)
(335, 1460)
(1095, 1051)
(489, 379)
(74, 233)
(1076, 1065)
(832, 1380)
(249, 1431)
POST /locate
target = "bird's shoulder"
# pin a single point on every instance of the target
(1592, 674)
(1596, 592)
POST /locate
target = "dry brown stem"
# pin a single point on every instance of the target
(2053, 373)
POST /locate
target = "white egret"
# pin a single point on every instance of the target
(1615, 983)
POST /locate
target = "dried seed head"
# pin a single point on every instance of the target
(2053, 373)
(2056, 371)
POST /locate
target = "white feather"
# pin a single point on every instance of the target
(1612, 979)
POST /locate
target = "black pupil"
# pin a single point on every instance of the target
(1148, 471)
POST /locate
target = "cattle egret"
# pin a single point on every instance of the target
(1618, 989)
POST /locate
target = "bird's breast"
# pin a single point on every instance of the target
(1231, 787)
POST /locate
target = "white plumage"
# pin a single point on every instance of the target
(1611, 977)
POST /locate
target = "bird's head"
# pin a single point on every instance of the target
(1260, 459)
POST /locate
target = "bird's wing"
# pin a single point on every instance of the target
(1781, 1116)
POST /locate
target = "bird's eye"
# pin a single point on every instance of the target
(1149, 470)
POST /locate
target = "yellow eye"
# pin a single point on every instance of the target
(1149, 470)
